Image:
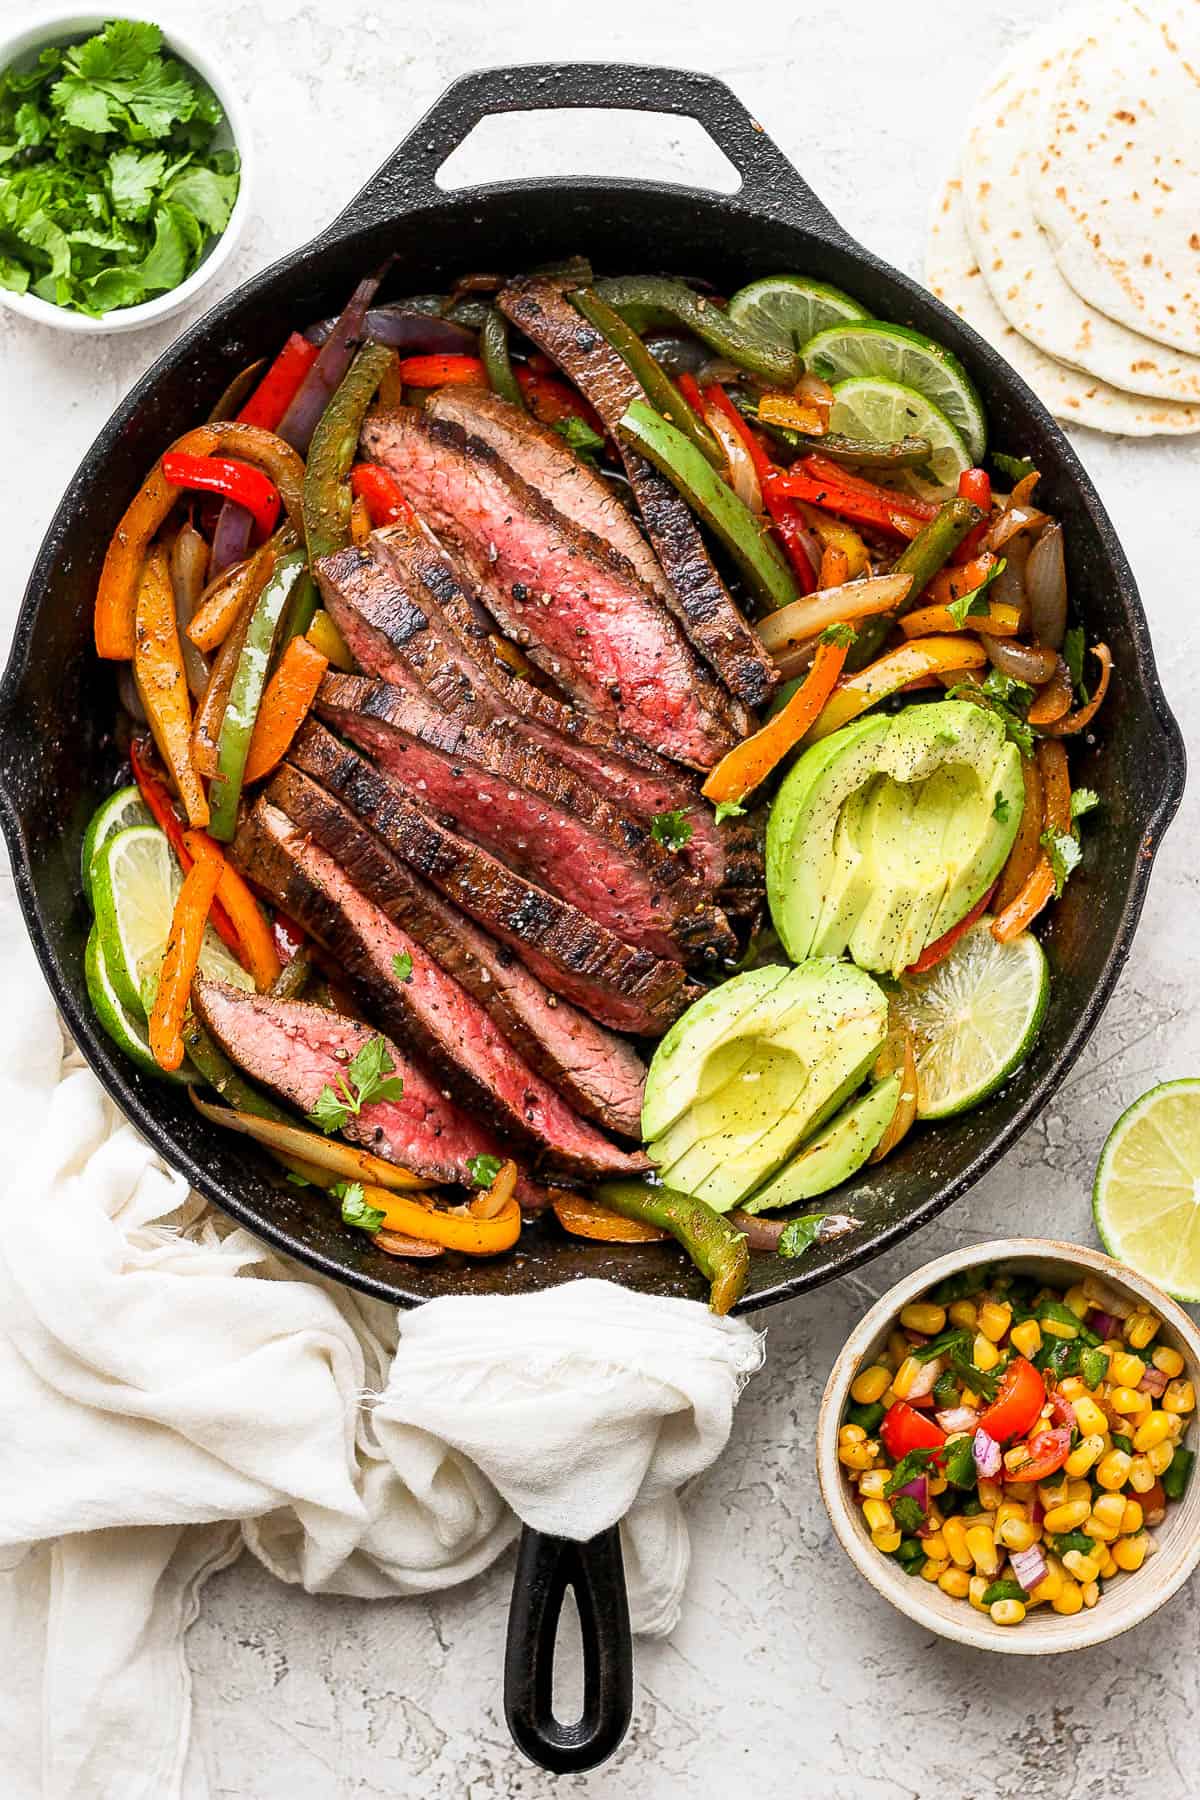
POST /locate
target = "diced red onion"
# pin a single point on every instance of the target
(231, 539)
(915, 1338)
(986, 1452)
(926, 1379)
(1103, 1324)
(336, 354)
(1029, 1566)
(1153, 1382)
(957, 1418)
(917, 1489)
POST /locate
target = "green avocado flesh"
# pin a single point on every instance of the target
(886, 833)
(835, 1154)
(753, 1069)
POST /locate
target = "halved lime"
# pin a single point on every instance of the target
(974, 1017)
(135, 883)
(792, 308)
(121, 810)
(127, 1030)
(870, 347)
(1146, 1198)
(870, 406)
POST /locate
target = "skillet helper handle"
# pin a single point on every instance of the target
(408, 177)
(546, 1568)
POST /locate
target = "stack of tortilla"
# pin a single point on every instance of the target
(1070, 237)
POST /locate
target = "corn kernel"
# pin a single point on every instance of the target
(1161, 1458)
(1070, 1600)
(964, 1314)
(1011, 1509)
(1100, 1532)
(955, 1534)
(1132, 1519)
(1079, 1490)
(1180, 1397)
(871, 1385)
(872, 1483)
(990, 1493)
(1167, 1361)
(887, 1541)
(1126, 1369)
(936, 1548)
(1078, 1302)
(1066, 1518)
(878, 1515)
(1084, 1568)
(1050, 1587)
(898, 1348)
(1055, 1492)
(1141, 1475)
(1072, 1388)
(1014, 1458)
(1141, 1328)
(976, 1590)
(851, 1434)
(1019, 1534)
(1089, 1417)
(1178, 1423)
(904, 1380)
(984, 1353)
(1026, 1337)
(922, 1316)
(932, 1571)
(858, 1456)
(1059, 1328)
(1129, 1553)
(1127, 1401)
(1112, 1471)
(1109, 1509)
(955, 1582)
(889, 1399)
(1108, 1567)
(937, 1484)
(1091, 1593)
(1155, 1428)
(982, 1546)
(1085, 1455)
(994, 1321)
(1007, 1612)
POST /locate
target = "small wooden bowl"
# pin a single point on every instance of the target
(1127, 1599)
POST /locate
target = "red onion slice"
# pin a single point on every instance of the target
(1029, 1566)
(231, 539)
(337, 353)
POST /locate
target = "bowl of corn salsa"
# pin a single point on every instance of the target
(1006, 1447)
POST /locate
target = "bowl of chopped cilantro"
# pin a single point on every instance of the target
(123, 172)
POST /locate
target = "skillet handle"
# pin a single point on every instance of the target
(408, 177)
(546, 1568)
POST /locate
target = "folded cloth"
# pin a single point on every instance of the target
(171, 1389)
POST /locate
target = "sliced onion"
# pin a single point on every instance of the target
(1030, 663)
(1029, 1566)
(128, 695)
(743, 476)
(791, 625)
(957, 1419)
(189, 561)
(1011, 523)
(1046, 585)
(1079, 721)
(810, 390)
(393, 1243)
(761, 1234)
(337, 353)
(341, 1159)
(1105, 1299)
(231, 539)
(1053, 700)
(986, 1452)
(403, 327)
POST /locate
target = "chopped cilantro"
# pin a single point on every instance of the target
(1063, 852)
(907, 1513)
(672, 830)
(355, 1208)
(1007, 698)
(843, 635)
(907, 1469)
(371, 1076)
(1015, 467)
(975, 604)
(298, 1180)
(729, 809)
(1083, 800)
(402, 965)
(580, 435)
(1000, 808)
(1074, 648)
(483, 1170)
(800, 1235)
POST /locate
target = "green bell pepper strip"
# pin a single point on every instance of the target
(718, 1249)
(1004, 1589)
(1178, 1473)
(929, 551)
(855, 453)
(647, 301)
(661, 391)
(220, 1074)
(327, 497)
(245, 695)
(493, 348)
(293, 978)
(765, 571)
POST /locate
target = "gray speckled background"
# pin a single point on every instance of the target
(785, 1672)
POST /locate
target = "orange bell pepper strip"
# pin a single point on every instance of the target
(285, 703)
(750, 762)
(785, 409)
(182, 956)
(835, 567)
(1027, 843)
(442, 371)
(892, 671)
(206, 726)
(460, 1229)
(256, 941)
(1000, 620)
(952, 582)
(225, 598)
(588, 1219)
(1078, 721)
(1038, 889)
(161, 683)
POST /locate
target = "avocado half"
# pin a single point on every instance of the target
(886, 833)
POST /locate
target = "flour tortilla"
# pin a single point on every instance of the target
(952, 273)
(1015, 254)
(1118, 188)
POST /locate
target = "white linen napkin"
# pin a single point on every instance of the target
(170, 1390)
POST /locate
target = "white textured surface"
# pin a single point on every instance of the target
(785, 1675)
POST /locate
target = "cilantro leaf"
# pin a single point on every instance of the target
(729, 809)
(163, 267)
(133, 178)
(402, 965)
(907, 1513)
(298, 1180)
(1007, 689)
(915, 1463)
(1004, 695)
(975, 603)
(330, 1112)
(843, 635)
(483, 1170)
(1083, 800)
(1074, 649)
(672, 829)
(119, 78)
(209, 196)
(580, 436)
(800, 1235)
(1015, 467)
(1064, 855)
(1000, 808)
(370, 1072)
(356, 1210)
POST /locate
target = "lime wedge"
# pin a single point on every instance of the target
(869, 406)
(1146, 1199)
(135, 883)
(792, 308)
(974, 1017)
(869, 347)
(127, 1030)
(121, 810)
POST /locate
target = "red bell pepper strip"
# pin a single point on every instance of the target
(941, 947)
(903, 1429)
(830, 486)
(442, 371)
(289, 939)
(380, 494)
(974, 485)
(1020, 1399)
(280, 385)
(689, 387)
(158, 801)
(236, 481)
(552, 401)
(789, 526)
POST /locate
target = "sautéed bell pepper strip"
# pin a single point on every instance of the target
(222, 604)
(718, 1249)
(380, 494)
(1038, 888)
(162, 684)
(461, 1230)
(1000, 620)
(497, 363)
(181, 958)
(784, 514)
(659, 300)
(553, 402)
(245, 694)
(285, 704)
(665, 396)
(441, 371)
(240, 482)
(280, 385)
(740, 771)
(941, 947)
(923, 656)
(588, 1219)
(974, 485)
(928, 552)
(327, 493)
(864, 502)
(326, 639)
(958, 579)
(903, 1429)
(162, 810)
(344, 1160)
(1019, 1400)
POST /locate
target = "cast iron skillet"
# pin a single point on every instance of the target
(57, 704)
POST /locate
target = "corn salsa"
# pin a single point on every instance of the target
(1017, 1444)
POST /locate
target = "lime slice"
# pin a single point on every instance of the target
(135, 883)
(869, 347)
(792, 308)
(127, 1030)
(870, 406)
(974, 1017)
(1147, 1194)
(121, 810)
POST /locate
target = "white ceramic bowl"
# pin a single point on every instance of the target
(73, 27)
(1127, 1599)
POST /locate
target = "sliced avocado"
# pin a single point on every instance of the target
(815, 1038)
(837, 1153)
(885, 833)
(677, 1075)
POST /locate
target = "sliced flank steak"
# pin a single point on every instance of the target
(598, 1073)
(518, 801)
(575, 606)
(701, 601)
(623, 987)
(418, 1003)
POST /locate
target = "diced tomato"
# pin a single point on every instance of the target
(1020, 1399)
(1046, 1453)
(902, 1429)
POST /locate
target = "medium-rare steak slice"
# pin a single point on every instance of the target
(296, 1049)
(520, 803)
(701, 601)
(575, 606)
(598, 1073)
(627, 989)
(424, 1008)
